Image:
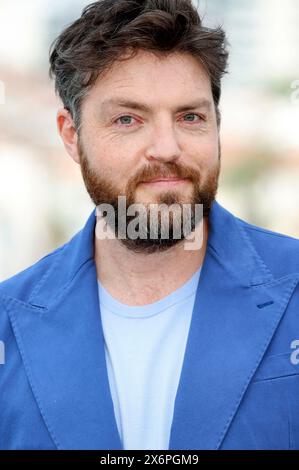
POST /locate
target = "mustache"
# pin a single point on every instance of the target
(168, 170)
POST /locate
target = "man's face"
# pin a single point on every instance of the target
(147, 118)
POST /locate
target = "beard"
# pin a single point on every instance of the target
(103, 190)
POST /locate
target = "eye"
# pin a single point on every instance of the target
(189, 117)
(125, 120)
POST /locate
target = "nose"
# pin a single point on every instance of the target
(164, 145)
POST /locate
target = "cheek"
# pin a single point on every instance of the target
(118, 168)
(120, 160)
(205, 153)
(106, 156)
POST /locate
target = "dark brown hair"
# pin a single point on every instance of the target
(109, 28)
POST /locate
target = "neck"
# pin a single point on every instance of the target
(140, 278)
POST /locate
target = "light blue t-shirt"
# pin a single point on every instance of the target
(144, 350)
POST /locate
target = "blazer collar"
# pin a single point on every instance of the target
(60, 337)
(227, 242)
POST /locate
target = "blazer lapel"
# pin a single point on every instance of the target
(237, 309)
(60, 337)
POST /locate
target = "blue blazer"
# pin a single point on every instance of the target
(239, 385)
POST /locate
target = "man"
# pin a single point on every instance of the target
(141, 342)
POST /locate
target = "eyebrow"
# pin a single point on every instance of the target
(128, 103)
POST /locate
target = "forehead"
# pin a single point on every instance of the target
(172, 75)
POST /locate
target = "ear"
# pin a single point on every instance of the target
(68, 133)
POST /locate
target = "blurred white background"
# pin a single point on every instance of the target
(43, 201)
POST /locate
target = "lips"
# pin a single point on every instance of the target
(161, 180)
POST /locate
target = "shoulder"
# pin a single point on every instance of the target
(21, 284)
(280, 252)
